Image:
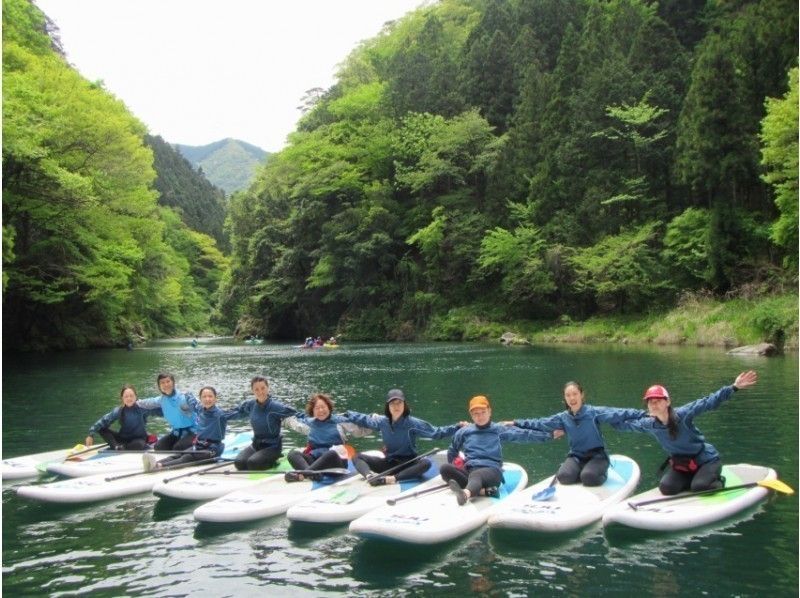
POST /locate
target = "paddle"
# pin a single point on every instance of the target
(394, 501)
(546, 493)
(329, 471)
(776, 485)
(400, 466)
(160, 469)
(72, 454)
(199, 472)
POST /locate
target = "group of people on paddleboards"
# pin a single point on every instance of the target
(474, 459)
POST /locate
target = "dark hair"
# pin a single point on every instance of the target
(567, 385)
(163, 376)
(312, 400)
(672, 420)
(255, 379)
(211, 388)
(406, 410)
(122, 409)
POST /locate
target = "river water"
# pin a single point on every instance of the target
(145, 546)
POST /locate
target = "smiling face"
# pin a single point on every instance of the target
(128, 397)
(573, 397)
(260, 390)
(208, 397)
(320, 410)
(658, 408)
(481, 415)
(166, 386)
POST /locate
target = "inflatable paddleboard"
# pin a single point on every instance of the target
(216, 483)
(30, 466)
(571, 506)
(435, 517)
(103, 486)
(351, 498)
(265, 499)
(113, 462)
(691, 511)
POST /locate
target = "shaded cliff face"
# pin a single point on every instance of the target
(229, 164)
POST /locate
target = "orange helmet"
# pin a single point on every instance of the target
(656, 392)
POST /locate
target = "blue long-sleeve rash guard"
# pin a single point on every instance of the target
(582, 429)
(400, 437)
(689, 441)
(132, 421)
(266, 420)
(481, 445)
(322, 434)
(175, 410)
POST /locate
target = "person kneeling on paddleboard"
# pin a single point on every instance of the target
(587, 461)
(132, 434)
(694, 463)
(266, 416)
(482, 469)
(399, 432)
(327, 435)
(211, 423)
(173, 406)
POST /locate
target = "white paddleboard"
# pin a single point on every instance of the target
(29, 466)
(265, 499)
(691, 511)
(571, 506)
(216, 483)
(435, 517)
(354, 497)
(113, 462)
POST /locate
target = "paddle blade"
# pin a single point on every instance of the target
(776, 485)
(546, 494)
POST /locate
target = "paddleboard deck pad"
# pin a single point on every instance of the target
(687, 511)
(571, 506)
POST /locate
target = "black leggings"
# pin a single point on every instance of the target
(326, 460)
(366, 464)
(705, 478)
(115, 441)
(591, 472)
(251, 459)
(473, 480)
(170, 442)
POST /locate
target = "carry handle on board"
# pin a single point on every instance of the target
(161, 469)
(776, 485)
(394, 501)
(400, 466)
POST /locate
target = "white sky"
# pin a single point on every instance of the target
(196, 71)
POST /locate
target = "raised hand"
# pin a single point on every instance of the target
(746, 379)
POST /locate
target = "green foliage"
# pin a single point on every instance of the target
(779, 156)
(686, 247)
(229, 164)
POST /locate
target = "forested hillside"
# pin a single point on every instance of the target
(200, 204)
(229, 164)
(534, 159)
(89, 257)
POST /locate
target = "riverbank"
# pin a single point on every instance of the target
(698, 320)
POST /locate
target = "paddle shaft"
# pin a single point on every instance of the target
(394, 501)
(160, 469)
(186, 475)
(95, 447)
(400, 466)
(636, 505)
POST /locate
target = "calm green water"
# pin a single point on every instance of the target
(143, 546)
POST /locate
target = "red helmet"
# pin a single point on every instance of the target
(656, 392)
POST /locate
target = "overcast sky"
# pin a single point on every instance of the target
(196, 71)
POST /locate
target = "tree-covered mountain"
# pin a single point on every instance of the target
(89, 257)
(529, 159)
(229, 164)
(181, 187)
